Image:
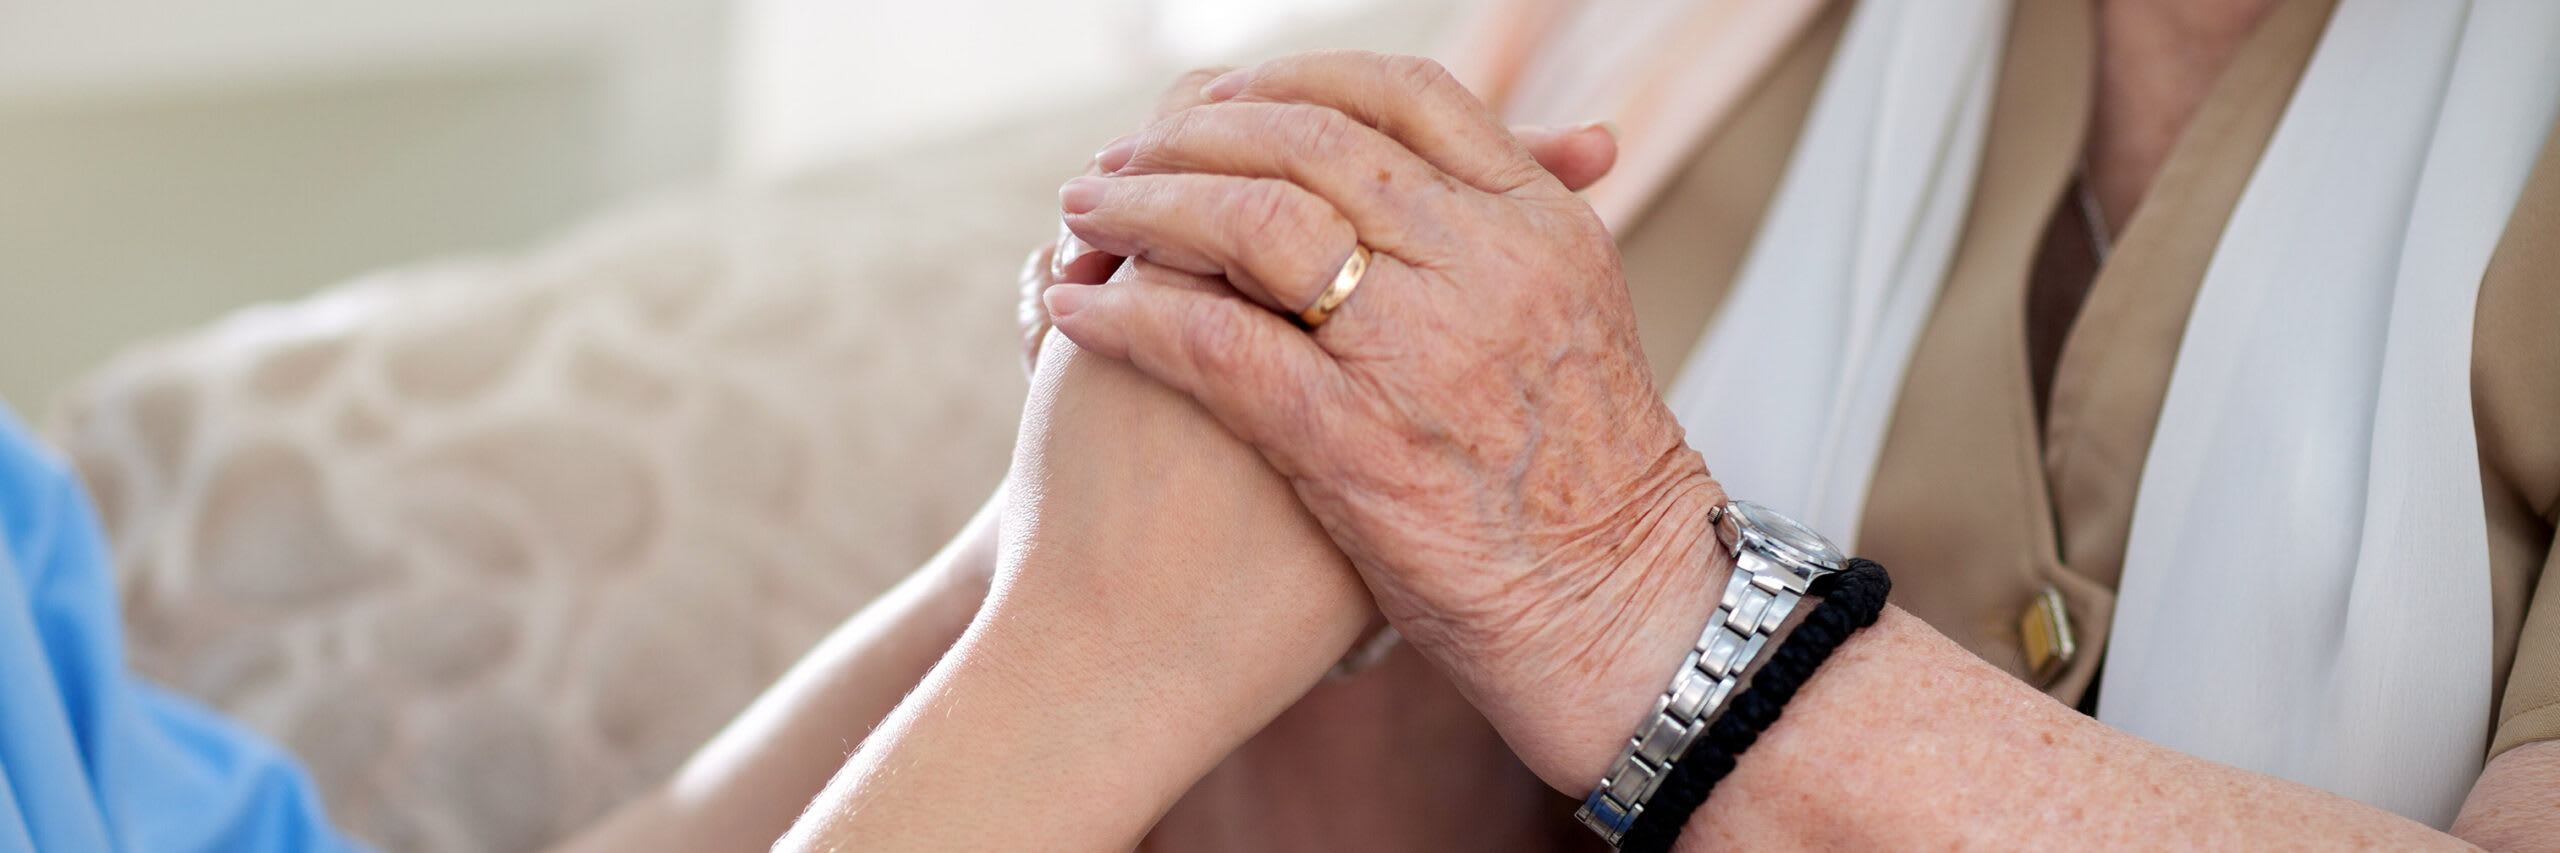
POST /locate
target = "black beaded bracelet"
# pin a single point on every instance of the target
(1851, 599)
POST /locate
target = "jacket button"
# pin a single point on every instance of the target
(2044, 634)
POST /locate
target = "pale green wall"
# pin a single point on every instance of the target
(126, 218)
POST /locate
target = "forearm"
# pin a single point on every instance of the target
(1161, 597)
(1905, 740)
(743, 788)
(1007, 741)
(1480, 431)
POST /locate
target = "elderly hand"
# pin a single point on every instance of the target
(1570, 155)
(1476, 427)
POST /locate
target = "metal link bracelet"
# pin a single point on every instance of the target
(1776, 562)
(1738, 635)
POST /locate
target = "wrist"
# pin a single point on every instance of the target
(1598, 656)
(919, 779)
(965, 568)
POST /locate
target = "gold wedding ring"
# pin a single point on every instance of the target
(1333, 296)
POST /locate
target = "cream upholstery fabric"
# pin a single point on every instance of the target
(494, 544)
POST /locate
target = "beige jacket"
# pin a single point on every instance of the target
(1981, 506)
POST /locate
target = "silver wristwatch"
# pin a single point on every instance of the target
(1775, 560)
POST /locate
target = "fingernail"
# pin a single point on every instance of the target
(1606, 126)
(1226, 85)
(1116, 155)
(1069, 249)
(1064, 299)
(1082, 195)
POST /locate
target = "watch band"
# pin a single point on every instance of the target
(1852, 598)
(1737, 636)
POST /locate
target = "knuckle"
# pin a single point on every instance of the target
(1520, 173)
(1166, 131)
(1295, 412)
(1284, 122)
(1161, 145)
(1342, 57)
(1282, 228)
(1317, 132)
(1271, 211)
(1417, 73)
(1212, 336)
(1258, 208)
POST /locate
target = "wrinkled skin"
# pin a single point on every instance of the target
(1477, 431)
(1324, 773)
(1476, 426)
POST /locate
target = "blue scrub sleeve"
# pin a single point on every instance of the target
(91, 756)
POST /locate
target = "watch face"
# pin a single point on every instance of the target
(1783, 531)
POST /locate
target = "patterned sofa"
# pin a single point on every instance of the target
(495, 543)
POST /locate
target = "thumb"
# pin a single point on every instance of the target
(1578, 156)
(1252, 370)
